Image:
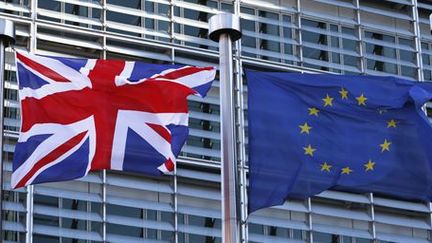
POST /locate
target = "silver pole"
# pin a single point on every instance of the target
(7, 37)
(225, 28)
(229, 168)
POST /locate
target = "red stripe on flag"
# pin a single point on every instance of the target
(180, 73)
(169, 165)
(49, 158)
(162, 131)
(41, 69)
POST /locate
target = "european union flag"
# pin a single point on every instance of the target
(313, 132)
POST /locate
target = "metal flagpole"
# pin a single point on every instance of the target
(7, 38)
(225, 28)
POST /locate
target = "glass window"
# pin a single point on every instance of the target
(74, 224)
(325, 238)
(10, 76)
(11, 94)
(124, 211)
(201, 238)
(123, 18)
(74, 204)
(45, 239)
(49, 4)
(135, 4)
(127, 230)
(256, 228)
(46, 220)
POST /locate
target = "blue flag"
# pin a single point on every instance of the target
(313, 132)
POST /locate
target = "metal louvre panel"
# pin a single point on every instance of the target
(191, 22)
(88, 3)
(399, 239)
(137, 53)
(389, 60)
(203, 116)
(385, 28)
(196, 7)
(135, 29)
(331, 65)
(187, 149)
(138, 203)
(406, 2)
(288, 6)
(327, 16)
(66, 213)
(204, 134)
(331, 33)
(295, 218)
(14, 7)
(69, 233)
(393, 234)
(403, 221)
(127, 182)
(200, 192)
(202, 212)
(14, 206)
(333, 211)
(264, 20)
(380, 73)
(133, 222)
(344, 196)
(269, 37)
(196, 230)
(266, 238)
(385, 13)
(364, 234)
(13, 226)
(195, 59)
(271, 54)
(67, 193)
(121, 239)
(388, 44)
(70, 41)
(198, 175)
(338, 3)
(396, 204)
(194, 39)
(135, 12)
(69, 17)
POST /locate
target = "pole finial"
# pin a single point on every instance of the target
(7, 32)
(224, 23)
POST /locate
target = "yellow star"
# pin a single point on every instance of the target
(346, 170)
(313, 111)
(385, 146)
(369, 165)
(328, 101)
(391, 123)
(305, 128)
(309, 150)
(361, 100)
(344, 94)
(325, 167)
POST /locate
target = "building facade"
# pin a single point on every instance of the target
(339, 36)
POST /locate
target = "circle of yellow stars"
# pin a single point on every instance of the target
(306, 128)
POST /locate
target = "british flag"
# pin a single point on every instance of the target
(81, 115)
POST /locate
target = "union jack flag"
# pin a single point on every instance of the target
(81, 115)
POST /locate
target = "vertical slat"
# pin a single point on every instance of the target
(417, 39)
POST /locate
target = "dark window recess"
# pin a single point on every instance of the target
(206, 126)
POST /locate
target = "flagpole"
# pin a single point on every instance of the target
(225, 29)
(7, 38)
